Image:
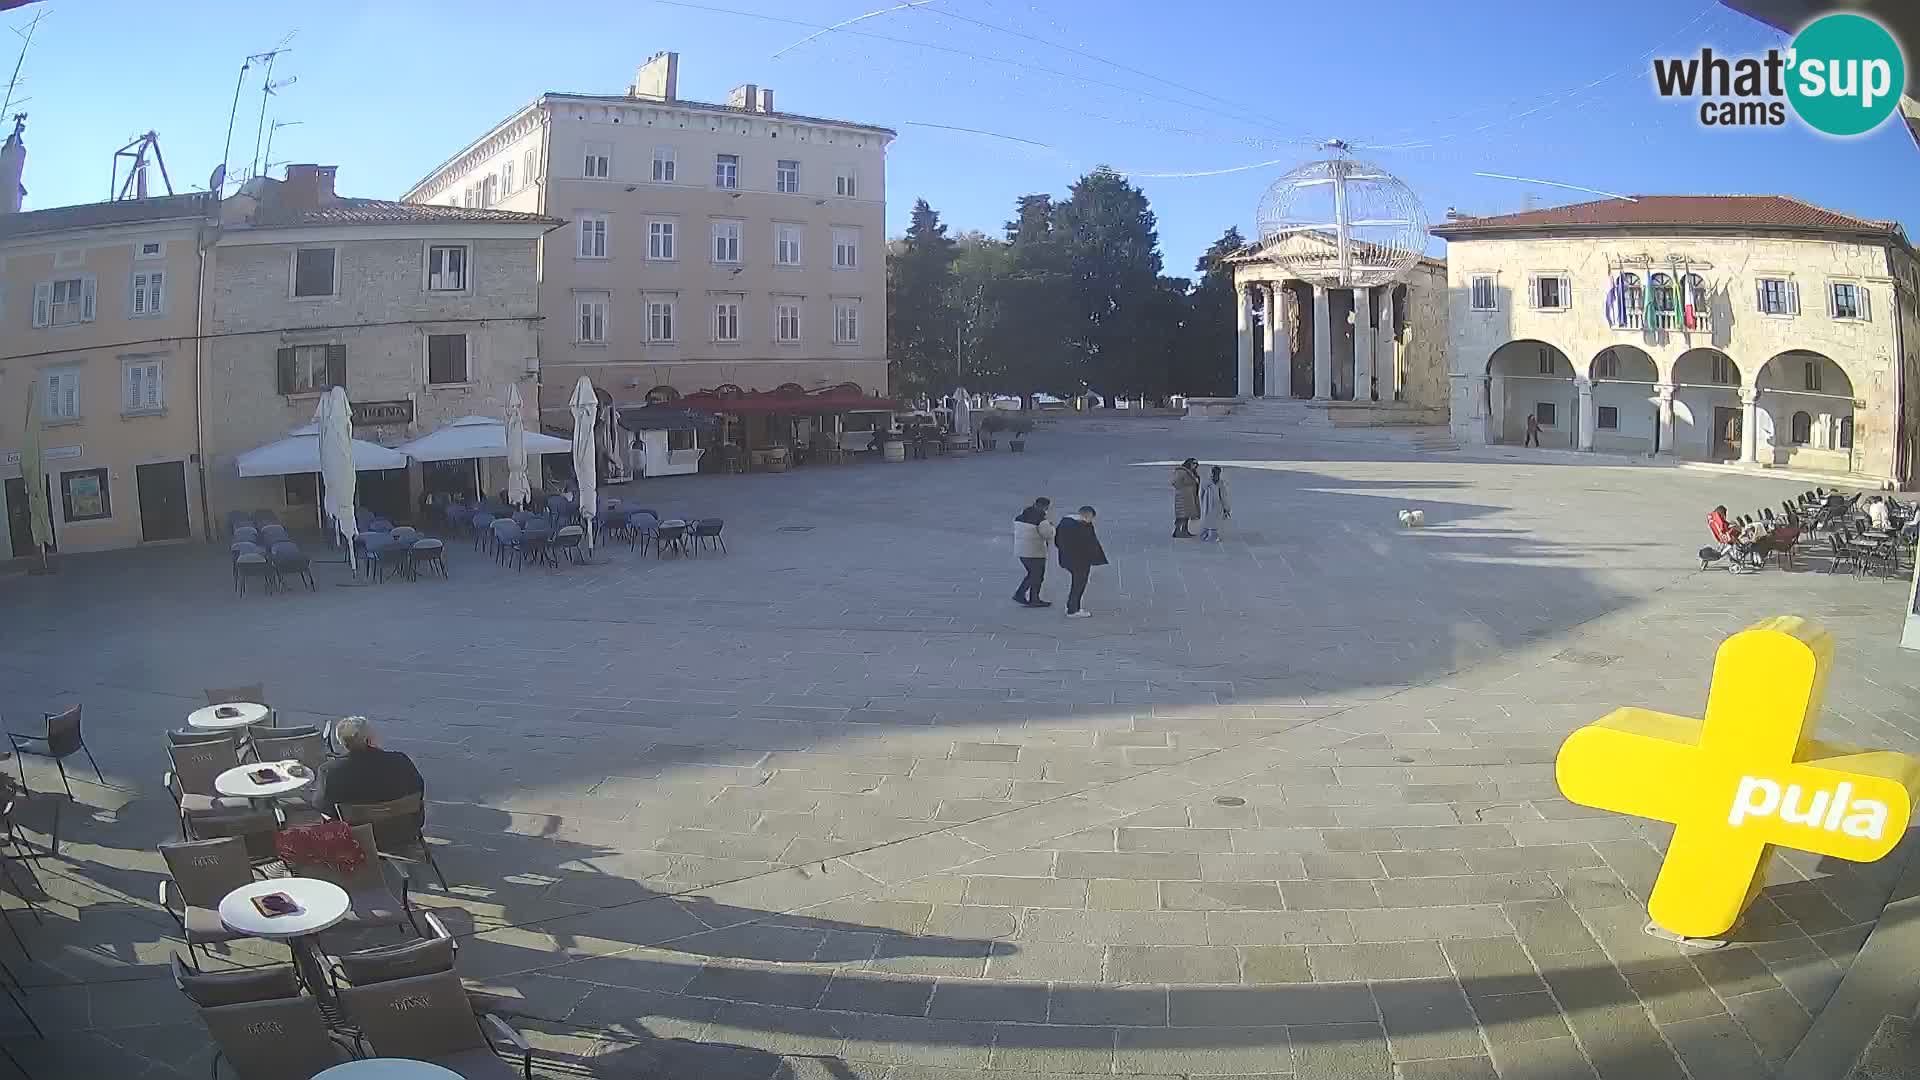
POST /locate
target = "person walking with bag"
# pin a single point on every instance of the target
(1032, 535)
(1080, 552)
(1214, 506)
(1186, 496)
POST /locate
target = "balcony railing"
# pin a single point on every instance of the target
(1668, 320)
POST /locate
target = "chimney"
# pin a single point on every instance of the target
(307, 187)
(744, 97)
(659, 77)
(13, 166)
(766, 100)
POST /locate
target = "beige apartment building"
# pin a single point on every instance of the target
(1743, 328)
(706, 244)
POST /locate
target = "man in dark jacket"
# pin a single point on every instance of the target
(1080, 552)
(367, 774)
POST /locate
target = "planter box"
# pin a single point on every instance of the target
(893, 450)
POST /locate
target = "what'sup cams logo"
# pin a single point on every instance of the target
(1842, 75)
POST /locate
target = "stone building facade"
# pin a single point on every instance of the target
(1779, 333)
(707, 244)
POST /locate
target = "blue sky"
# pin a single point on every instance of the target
(1434, 92)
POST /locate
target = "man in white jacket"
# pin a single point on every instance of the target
(1032, 536)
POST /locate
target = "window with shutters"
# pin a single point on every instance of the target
(591, 324)
(786, 321)
(1608, 366)
(63, 301)
(447, 267)
(1549, 362)
(593, 236)
(1607, 418)
(726, 171)
(786, 176)
(142, 391)
(1846, 433)
(1550, 292)
(846, 322)
(447, 360)
(846, 249)
(786, 245)
(62, 395)
(1482, 295)
(1778, 296)
(506, 177)
(598, 163)
(489, 192)
(149, 290)
(726, 241)
(310, 369)
(314, 272)
(1811, 375)
(1847, 300)
(846, 182)
(665, 165)
(660, 320)
(1723, 373)
(660, 239)
(526, 167)
(726, 321)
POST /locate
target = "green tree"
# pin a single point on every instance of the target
(1204, 362)
(921, 317)
(1030, 346)
(980, 266)
(1112, 253)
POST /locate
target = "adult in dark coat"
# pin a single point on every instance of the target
(1080, 552)
(1186, 495)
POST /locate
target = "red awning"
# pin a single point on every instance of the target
(741, 402)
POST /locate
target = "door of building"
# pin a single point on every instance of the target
(386, 493)
(19, 521)
(163, 501)
(1726, 431)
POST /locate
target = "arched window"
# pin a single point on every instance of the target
(1846, 433)
(1608, 366)
(1802, 429)
(1662, 287)
(1636, 299)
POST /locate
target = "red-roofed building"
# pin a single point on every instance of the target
(1750, 328)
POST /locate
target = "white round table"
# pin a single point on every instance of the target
(387, 1069)
(249, 715)
(321, 903)
(236, 782)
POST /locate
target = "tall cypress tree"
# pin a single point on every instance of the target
(1107, 230)
(1205, 362)
(921, 317)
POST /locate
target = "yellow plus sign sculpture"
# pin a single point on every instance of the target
(1746, 778)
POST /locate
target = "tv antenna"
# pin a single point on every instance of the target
(268, 163)
(25, 34)
(135, 185)
(267, 89)
(226, 150)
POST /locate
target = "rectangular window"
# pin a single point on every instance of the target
(1609, 418)
(63, 394)
(664, 165)
(846, 321)
(598, 163)
(63, 302)
(846, 182)
(786, 245)
(786, 176)
(151, 249)
(447, 268)
(489, 192)
(786, 320)
(1723, 373)
(726, 241)
(1812, 375)
(526, 166)
(1779, 296)
(1550, 293)
(846, 249)
(313, 272)
(592, 307)
(310, 369)
(659, 239)
(1849, 301)
(506, 177)
(726, 171)
(1483, 297)
(446, 359)
(659, 320)
(1544, 413)
(726, 321)
(593, 236)
(149, 289)
(1548, 363)
(143, 392)
(84, 495)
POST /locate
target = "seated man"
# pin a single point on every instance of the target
(1727, 535)
(367, 774)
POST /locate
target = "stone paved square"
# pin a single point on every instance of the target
(831, 804)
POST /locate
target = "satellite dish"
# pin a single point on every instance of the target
(218, 181)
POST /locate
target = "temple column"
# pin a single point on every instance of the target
(1587, 416)
(1663, 405)
(1322, 346)
(1362, 345)
(1386, 349)
(1267, 329)
(1244, 366)
(1749, 425)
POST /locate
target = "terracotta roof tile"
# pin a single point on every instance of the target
(96, 215)
(1680, 211)
(347, 211)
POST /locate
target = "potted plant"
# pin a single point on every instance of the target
(1020, 426)
(989, 426)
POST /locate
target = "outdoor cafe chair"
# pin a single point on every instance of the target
(190, 779)
(396, 829)
(246, 534)
(305, 745)
(200, 874)
(535, 543)
(507, 541)
(482, 525)
(255, 828)
(568, 542)
(707, 531)
(429, 1018)
(371, 900)
(263, 518)
(287, 558)
(381, 550)
(613, 523)
(239, 519)
(251, 565)
(670, 536)
(428, 551)
(641, 526)
(193, 736)
(271, 535)
(61, 740)
(429, 955)
(250, 694)
(265, 1027)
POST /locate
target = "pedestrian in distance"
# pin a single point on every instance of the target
(1032, 535)
(1080, 552)
(1533, 430)
(1214, 505)
(1186, 496)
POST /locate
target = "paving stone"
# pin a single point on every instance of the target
(1210, 1052)
(1315, 1003)
(1116, 894)
(1810, 979)
(1340, 1052)
(1427, 1018)
(1116, 927)
(1279, 927)
(1518, 860)
(1466, 1068)
(1329, 895)
(1219, 896)
(1108, 1005)
(1424, 863)
(1049, 960)
(1452, 837)
(1732, 971)
(768, 987)
(863, 992)
(1773, 1020)
(1675, 993)
(993, 1000)
(1621, 1042)
(1363, 840)
(1549, 927)
(1271, 964)
(1443, 923)
(1585, 980)
(973, 922)
(1268, 867)
(1172, 964)
(1544, 1059)
(1399, 960)
(1270, 841)
(1026, 892)
(1342, 865)
(1027, 1049)
(965, 751)
(1146, 866)
(1173, 840)
(1715, 1048)
(1519, 1018)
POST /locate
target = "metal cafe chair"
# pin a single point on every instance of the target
(61, 741)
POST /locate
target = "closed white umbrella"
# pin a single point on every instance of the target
(962, 413)
(584, 406)
(33, 472)
(335, 421)
(517, 490)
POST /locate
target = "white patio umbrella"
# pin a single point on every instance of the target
(517, 490)
(962, 413)
(584, 406)
(33, 472)
(335, 421)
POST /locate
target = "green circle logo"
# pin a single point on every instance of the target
(1845, 74)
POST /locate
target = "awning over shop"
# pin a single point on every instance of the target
(846, 397)
(665, 418)
(476, 437)
(299, 452)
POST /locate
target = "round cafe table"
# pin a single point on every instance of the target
(249, 715)
(321, 904)
(236, 782)
(387, 1069)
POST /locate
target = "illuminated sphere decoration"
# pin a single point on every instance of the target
(1342, 223)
